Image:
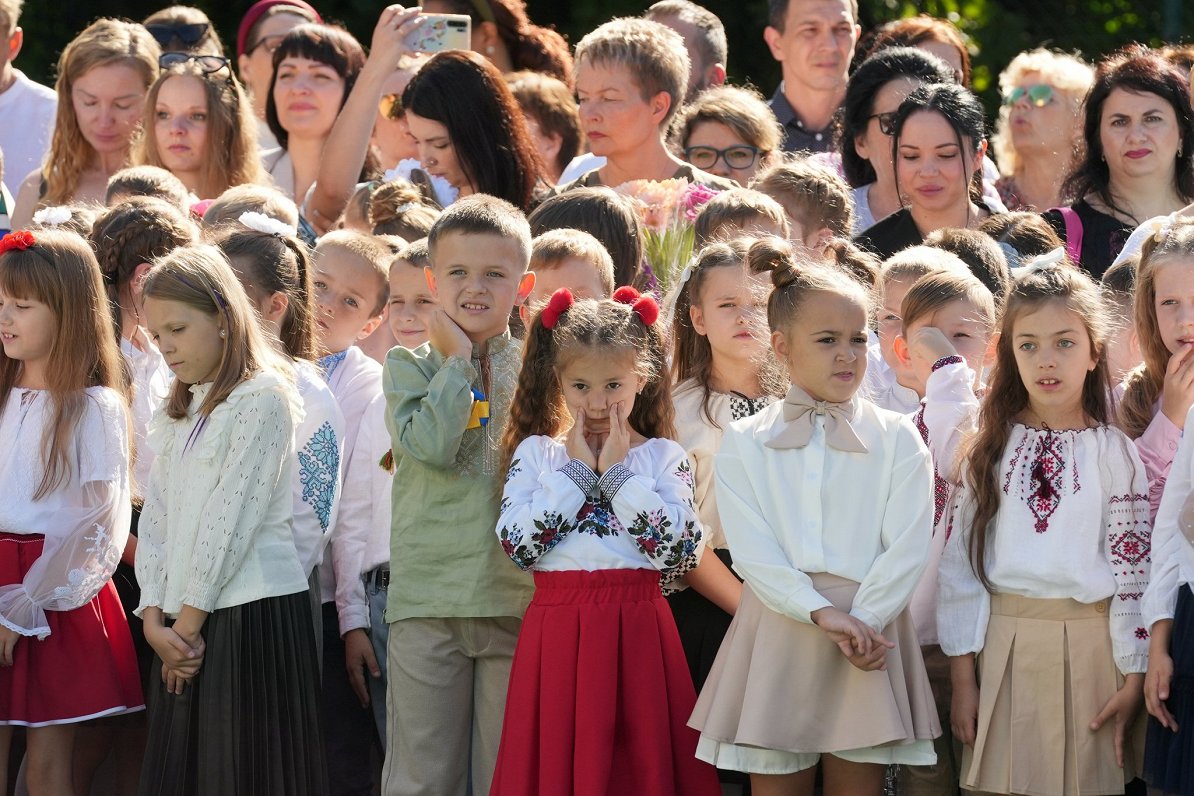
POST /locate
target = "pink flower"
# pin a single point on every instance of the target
(695, 196)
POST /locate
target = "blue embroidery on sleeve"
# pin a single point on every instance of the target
(319, 467)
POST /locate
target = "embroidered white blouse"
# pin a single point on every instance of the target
(85, 520)
(700, 438)
(1173, 549)
(556, 514)
(151, 379)
(863, 516)
(216, 529)
(1073, 522)
(319, 443)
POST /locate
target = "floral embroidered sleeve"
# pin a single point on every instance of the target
(658, 512)
(1129, 550)
(544, 492)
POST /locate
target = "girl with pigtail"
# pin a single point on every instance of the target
(598, 502)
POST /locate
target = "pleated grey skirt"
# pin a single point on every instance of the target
(249, 723)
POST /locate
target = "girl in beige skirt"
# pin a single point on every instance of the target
(826, 502)
(1040, 583)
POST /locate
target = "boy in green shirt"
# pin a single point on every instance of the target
(455, 602)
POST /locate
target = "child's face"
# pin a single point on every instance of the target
(410, 299)
(1123, 351)
(966, 328)
(478, 280)
(1053, 354)
(27, 330)
(1173, 302)
(346, 293)
(188, 338)
(579, 276)
(731, 313)
(594, 380)
(890, 322)
(825, 346)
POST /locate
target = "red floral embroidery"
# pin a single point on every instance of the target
(1130, 548)
(1047, 469)
(1141, 633)
(940, 485)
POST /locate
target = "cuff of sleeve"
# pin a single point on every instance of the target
(462, 366)
(1136, 663)
(613, 480)
(863, 615)
(802, 610)
(353, 617)
(202, 596)
(152, 594)
(580, 474)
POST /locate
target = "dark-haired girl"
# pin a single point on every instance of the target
(598, 502)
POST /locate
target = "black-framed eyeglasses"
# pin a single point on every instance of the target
(886, 121)
(189, 35)
(390, 106)
(209, 64)
(270, 43)
(740, 156)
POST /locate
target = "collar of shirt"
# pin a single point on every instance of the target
(796, 136)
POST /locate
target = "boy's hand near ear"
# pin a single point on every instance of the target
(927, 344)
(446, 336)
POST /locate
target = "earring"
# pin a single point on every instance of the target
(223, 334)
(489, 50)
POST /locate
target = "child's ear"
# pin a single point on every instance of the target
(371, 325)
(429, 275)
(697, 316)
(139, 274)
(779, 344)
(903, 354)
(525, 286)
(276, 305)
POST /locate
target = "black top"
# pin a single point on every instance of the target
(796, 137)
(890, 235)
(1103, 236)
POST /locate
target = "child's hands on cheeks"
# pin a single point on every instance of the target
(862, 646)
(578, 445)
(1177, 392)
(446, 336)
(617, 442)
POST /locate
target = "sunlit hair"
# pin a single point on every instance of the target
(1143, 385)
(981, 255)
(105, 42)
(416, 253)
(251, 198)
(692, 354)
(368, 249)
(551, 104)
(1007, 396)
(912, 263)
(815, 195)
(530, 46)
(710, 32)
(604, 327)
(653, 56)
(209, 44)
(268, 264)
(139, 230)
(483, 215)
(10, 15)
(736, 212)
(918, 30)
(796, 278)
(147, 181)
(607, 217)
(230, 154)
(936, 291)
(1028, 235)
(740, 108)
(552, 248)
(200, 277)
(398, 208)
(82, 216)
(60, 271)
(858, 263)
(1065, 73)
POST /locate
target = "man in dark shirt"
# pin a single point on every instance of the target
(814, 42)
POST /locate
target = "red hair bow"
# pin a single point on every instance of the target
(559, 303)
(20, 240)
(645, 306)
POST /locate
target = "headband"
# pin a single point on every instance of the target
(23, 240)
(257, 11)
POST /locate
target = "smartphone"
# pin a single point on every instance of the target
(441, 32)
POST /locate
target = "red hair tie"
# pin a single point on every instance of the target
(644, 306)
(20, 240)
(559, 303)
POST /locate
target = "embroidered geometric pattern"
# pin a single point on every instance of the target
(523, 551)
(940, 485)
(319, 469)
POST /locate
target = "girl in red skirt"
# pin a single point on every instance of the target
(66, 654)
(598, 502)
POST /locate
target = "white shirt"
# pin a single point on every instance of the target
(1085, 537)
(216, 529)
(1173, 551)
(863, 516)
(29, 110)
(85, 520)
(880, 386)
(318, 444)
(557, 515)
(363, 531)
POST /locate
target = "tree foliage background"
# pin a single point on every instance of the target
(996, 29)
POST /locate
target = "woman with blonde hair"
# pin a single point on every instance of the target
(1039, 127)
(202, 127)
(103, 75)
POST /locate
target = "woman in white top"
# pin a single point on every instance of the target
(217, 553)
(822, 629)
(1047, 560)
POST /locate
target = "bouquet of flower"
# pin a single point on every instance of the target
(667, 210)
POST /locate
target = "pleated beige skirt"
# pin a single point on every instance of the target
(1046, 670)
(780, 684)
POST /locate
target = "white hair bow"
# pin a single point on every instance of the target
(52, 216)
(1043, 261)
(267, 224)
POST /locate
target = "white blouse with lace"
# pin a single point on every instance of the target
(151, 379)
(215, 530)
(85, 520)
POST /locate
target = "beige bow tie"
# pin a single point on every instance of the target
(800, 412)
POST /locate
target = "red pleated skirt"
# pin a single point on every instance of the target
(600, 693)
(84, 669)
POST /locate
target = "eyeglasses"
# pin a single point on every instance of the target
(207, 63)
(390, 106)
(270, 43)
(741, 156)
(1039, 95)
(886, 121)
(189, 35)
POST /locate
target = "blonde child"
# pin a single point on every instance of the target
(816, 200)
(598, 502)
(65, 650)
(822, 629)
(410, 295)
(223, 595)
(736, 212)
(1048, 557)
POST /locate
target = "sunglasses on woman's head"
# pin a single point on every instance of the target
(189, 35)
(270, 43)
(390, 106)
(741, 156)
(207, 63)
(1039, 95)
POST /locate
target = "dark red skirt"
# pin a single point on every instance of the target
(600, 693)
(84, 669)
